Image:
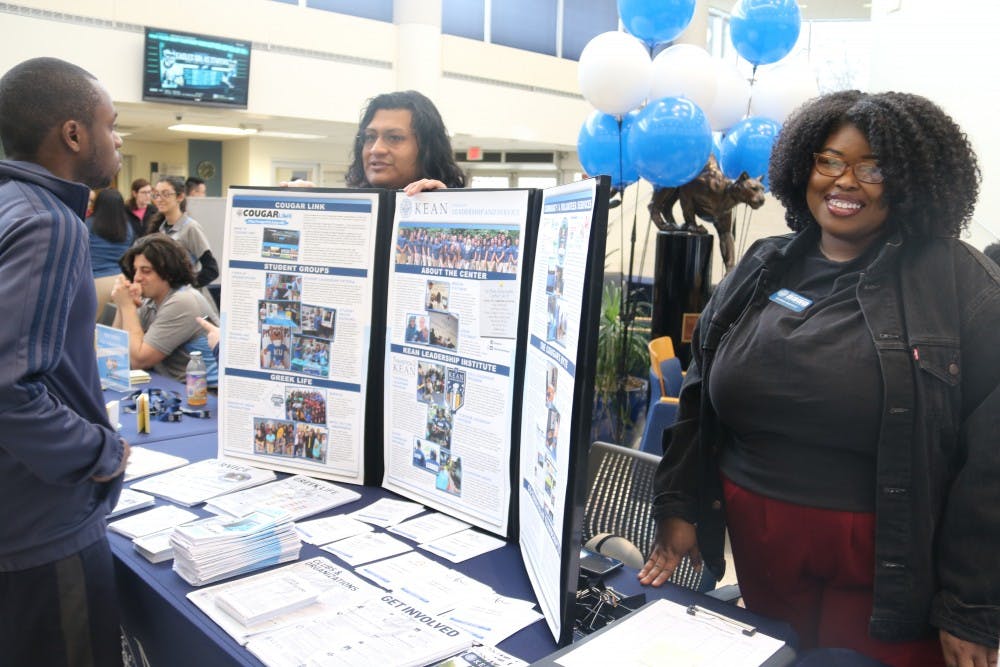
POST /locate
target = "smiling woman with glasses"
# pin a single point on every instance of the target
(839, 415)
(169, 198)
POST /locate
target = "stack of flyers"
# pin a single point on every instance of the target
(220, 547)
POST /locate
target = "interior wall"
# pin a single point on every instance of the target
(944, 52)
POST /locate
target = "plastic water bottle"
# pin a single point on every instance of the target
(197, 381)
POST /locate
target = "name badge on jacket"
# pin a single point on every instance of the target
(791, 300)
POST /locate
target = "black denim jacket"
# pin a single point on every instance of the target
(933, 310)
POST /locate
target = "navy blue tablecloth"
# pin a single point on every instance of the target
(171, 631)
(162, 430)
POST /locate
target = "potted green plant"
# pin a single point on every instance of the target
(619, 377)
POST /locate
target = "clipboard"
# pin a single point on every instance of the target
(784, 655)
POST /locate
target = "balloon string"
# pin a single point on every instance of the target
(753, 80)
(621, 214)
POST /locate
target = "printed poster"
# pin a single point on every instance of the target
(557, 298)
(297, 299)
(451, 335)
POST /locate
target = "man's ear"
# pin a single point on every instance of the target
(71, 134)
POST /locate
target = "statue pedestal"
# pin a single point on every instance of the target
(681, 284)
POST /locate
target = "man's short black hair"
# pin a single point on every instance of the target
(41, 94)
(168, 257)
(191, 183)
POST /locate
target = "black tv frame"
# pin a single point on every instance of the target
(199, 78)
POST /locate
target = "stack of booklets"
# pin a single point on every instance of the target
(138, 376)
(220, 547)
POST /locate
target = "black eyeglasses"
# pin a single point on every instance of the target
(162, 195)
(866, 171)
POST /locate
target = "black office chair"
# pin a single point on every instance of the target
(108, 315)
(620, 503)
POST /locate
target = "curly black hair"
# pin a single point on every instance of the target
(931, 173)
(435, 157)
(169, 259)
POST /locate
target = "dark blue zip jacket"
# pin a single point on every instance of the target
(933, 310)
(54, 430)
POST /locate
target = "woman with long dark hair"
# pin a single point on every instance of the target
(402, 139)
(111, 234)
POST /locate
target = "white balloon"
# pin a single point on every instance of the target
(614, 72)
(684, 70)
(779, 90)
(732, 97)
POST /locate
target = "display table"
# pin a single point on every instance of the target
(167, 629)
(165, 430)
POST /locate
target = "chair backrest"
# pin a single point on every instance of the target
(108, 314)
(672, 376)
(660, 417)
(620, 501)
(660, 349)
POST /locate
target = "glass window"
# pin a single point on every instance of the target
(524, 24)
(490, 182)
(380, 10)
(463, 18)
(583, 20)
(537, 181)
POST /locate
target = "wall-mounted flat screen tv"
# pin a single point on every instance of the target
(195, 69)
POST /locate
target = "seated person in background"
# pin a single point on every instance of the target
(402, 144)
(158, 307)
(110, 236)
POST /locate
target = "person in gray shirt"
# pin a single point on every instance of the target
(158, 306)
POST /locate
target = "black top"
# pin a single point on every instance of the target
(801, 392)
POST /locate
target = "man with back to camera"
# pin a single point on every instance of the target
(60, 460)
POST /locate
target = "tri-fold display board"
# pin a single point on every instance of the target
(442, 345)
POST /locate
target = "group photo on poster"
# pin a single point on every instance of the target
(293, 372)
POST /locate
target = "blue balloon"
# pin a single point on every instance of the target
(655, 21)
(599, 144)
(670, 141)
(747, 147)
(765, 31)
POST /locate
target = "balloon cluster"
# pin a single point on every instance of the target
(654, 118)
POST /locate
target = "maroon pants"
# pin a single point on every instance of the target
(814, 569)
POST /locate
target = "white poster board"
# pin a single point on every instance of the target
(557, 301)
(296, 303)
(451, 334)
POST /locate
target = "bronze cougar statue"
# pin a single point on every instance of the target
(710, 196)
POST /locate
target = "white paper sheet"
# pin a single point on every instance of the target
(366, 547)
(463, 545)
(330, 529)
(429, 527)
(387, 512)
(664, 633)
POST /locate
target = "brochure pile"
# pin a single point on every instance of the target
(220, 547)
